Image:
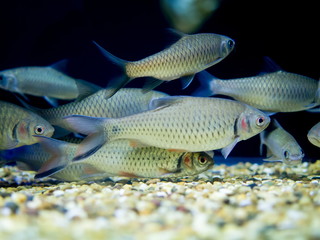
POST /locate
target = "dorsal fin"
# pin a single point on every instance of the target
(269, 66)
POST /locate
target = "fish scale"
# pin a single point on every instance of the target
(278, 91)
(96, 105)
(183, 59)
(30, 80)
(173, 125)
(114, 159)
(178, 60)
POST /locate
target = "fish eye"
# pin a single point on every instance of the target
(260, 121)
(202, 160)
(39, 130)
(231, 44)
(286, 154)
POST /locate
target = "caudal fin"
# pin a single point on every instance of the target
(60, 156)
(93, 128)
(207, 85)
(86, 89)
(118, 82)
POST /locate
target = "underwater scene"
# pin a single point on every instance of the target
(159, 119)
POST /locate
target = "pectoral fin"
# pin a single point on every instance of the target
(226, 150)
(164, 102)
(150, 84)
(186, 80)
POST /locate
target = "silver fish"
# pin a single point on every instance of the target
(18, 126)
(183, 59)
(114, 159)
(45, 82)
(314, 135)
(189, 124)
(281, 145)
(275, 92)
(125, 102)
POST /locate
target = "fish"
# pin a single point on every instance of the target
(125, 102)
(314, 135)
(45, 82)
(177, 123)
(278, 91)
(18, 126)
(183, 59)
(53, 158)
(281, 145)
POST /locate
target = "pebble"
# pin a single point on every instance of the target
(242, 201)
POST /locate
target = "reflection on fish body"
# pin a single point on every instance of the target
(314, 135)
(183, 59)
(275, 92)
(114, 159)
(189, 124)
(125, 102)
(19, 125)
(44, 81)
(281, 145)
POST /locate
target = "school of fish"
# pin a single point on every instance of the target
(142, 133)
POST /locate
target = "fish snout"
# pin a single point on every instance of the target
(294, 159)
(226, 47)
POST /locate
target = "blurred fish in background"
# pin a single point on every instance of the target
(281, 145)
(314, 135)
(188, 15)
(45, 82)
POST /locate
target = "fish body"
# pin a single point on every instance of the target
(18, 126)
(281, 145)
(183, 59)
(189, 124)
(115, 159)
(44, 81)
(314, 135)
(125, 102)
(275, 92)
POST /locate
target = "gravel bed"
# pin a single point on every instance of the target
(242, 201)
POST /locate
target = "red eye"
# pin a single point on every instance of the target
(202, 160)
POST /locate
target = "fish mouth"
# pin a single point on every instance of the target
(294, 159)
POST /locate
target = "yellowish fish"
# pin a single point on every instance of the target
(18, 126)
(278, 91)
(188, 124)
(281, 145)
(183, 59)
(54, 158)
(314, 135)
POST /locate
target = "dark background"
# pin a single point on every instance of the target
(39, 33)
